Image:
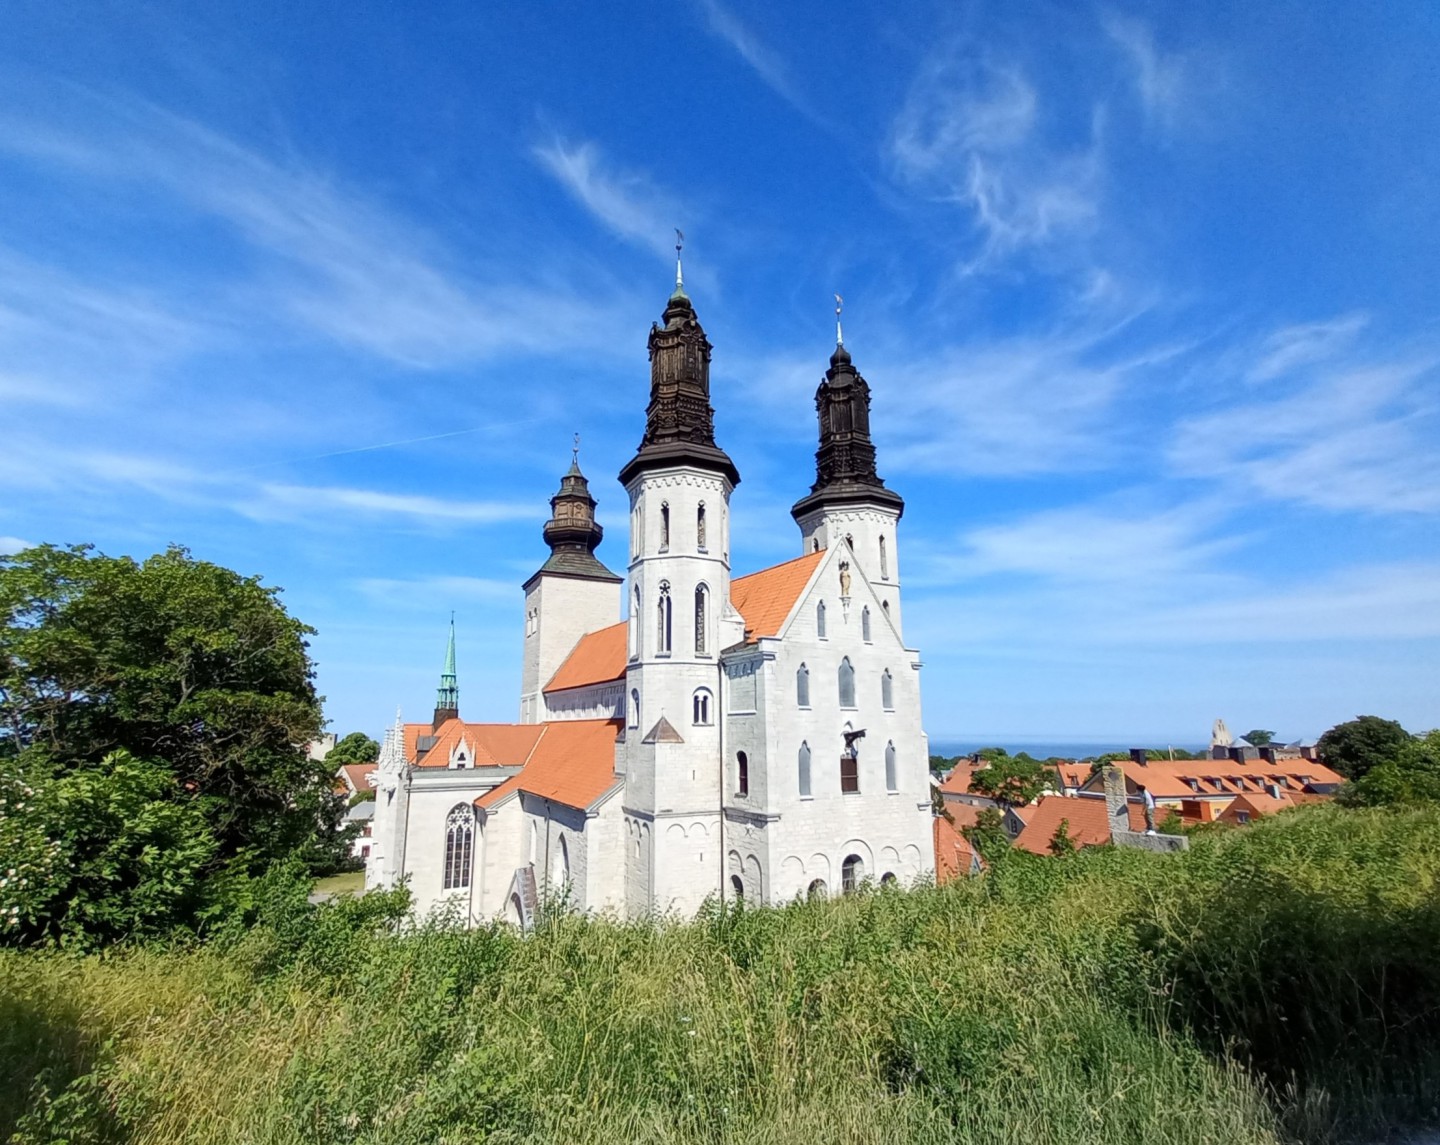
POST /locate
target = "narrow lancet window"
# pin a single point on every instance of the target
(890, 781)
(804, 762)
(887, 691)
(664, 527)
(802, 687)
(459, 844)
(700, 625)
(700, 527)
(663, 620)
(865, 624)
(820, 620)
(847, 684)
(884, 561)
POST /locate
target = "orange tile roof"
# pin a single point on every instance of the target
(492, 745)
(1088, 822)
(1166, 779)
(355, 774)
(1073, 774)
(954, 857)
(964, 814)
(597, 658)
(1257, 805)
(765, 598)
(958, 781)
(573, 762)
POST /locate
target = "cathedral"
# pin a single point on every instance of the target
(755, 738)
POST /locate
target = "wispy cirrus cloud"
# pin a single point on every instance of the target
(628, 203)
(331, 258)
(277, 501)
(762, 59)
(1159, 77)
(971, 132)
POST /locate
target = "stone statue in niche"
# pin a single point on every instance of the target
(844, 578)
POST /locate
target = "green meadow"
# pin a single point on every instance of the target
(1276, 983)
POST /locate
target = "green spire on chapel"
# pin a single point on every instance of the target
(447, 698)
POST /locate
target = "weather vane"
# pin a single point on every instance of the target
(575, 450)
(679, 242)
(839, 335)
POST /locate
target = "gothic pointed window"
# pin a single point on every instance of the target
(742, 773)
(804, 765)
(884, 560)
(865, 624)
(802, 687)
(664, 526)
(700, 619)
(700, 527)
(887, 691)
(890, 778)
(662, 625)
(459, 846)
(637, 618)
(847, 684)
(820, 620)
(634, 707)
(560, 871)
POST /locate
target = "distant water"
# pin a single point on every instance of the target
(1044, 749)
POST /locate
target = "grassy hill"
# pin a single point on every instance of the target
(1276, 983)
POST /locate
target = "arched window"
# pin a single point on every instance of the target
(664, 525)
(816, 890)
(888, 879)
(560, 872)
(701, 595)
(663, 619)
(634, 707)
(534, 843)
(884, 560)
(865, 624)
(890, 781)
(802, 686)
(737, 887)
(700, 527)
(820, 620)
(852, 870)
(887, 691)
(804, 761)
(637, 621)
(847, 684)
(459, 843)
(700, 706)
(742, 773)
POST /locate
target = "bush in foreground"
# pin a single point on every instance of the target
(1274, 983)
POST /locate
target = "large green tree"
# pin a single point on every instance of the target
(1356, 746)
(1410, 776)
(176, 661)
(357, 747)
(1014, 779)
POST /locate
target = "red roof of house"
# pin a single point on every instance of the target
(1257, 805)
(1217, 778)
(355, 776)
(958, 781)
(954, 857)
(1073, 774)
(491, 745)
(1087, 822)
(764, 599)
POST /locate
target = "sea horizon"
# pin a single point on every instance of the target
(1076, 747)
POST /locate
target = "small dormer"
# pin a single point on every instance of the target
(461, 756)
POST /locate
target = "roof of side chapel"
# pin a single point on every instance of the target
(763, 598)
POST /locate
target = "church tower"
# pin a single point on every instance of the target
(447, 696)
(680, 618)
(849, 502)
(571, 594)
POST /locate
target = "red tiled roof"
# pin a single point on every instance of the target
(954, 857)
(765, 598)
(1257, 805)
(573, 763)
(1217, 778)
(492, 745)
(958, 781)
(1087, 822)
(597, 658)
(1073, 774)
(355, 774)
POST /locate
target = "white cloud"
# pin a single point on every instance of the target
(1295, 346)
(347, 267)
(10, 545)
(627, 202)
(765, 62)
(324, 500)
(1159, 78)
(971, 132)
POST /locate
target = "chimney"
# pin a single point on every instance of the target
(1137, 755)
(1267, 753)
(1116, 799)
(1237, 754)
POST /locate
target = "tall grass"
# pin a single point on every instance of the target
(1280, 982)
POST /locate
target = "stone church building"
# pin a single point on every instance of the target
(755, 738)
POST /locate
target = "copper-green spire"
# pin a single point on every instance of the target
(447, 698)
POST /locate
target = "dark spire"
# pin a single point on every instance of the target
(679, 422)
(572, 531)
(845, 462)
(447, 697)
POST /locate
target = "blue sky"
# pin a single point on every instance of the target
(1146, 295)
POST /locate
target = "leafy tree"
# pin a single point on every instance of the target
(357, 747)
(1014, 780)
(178, 662)
(101, 853)
(939, 765)
(1259, 737)
(1356, 746)
(1411, 776)
(988, 835)
(1060, 842)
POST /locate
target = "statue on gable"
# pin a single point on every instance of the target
(844, 578)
